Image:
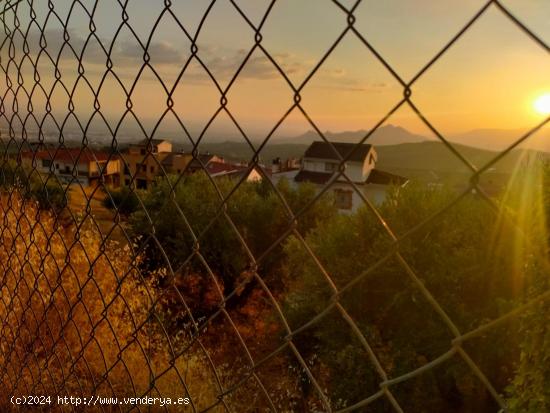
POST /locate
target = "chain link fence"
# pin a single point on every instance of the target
(93, 307)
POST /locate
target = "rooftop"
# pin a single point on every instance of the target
(154, 142)
(379, 177)
(322, 150)
(205, 159)
(73, 155)
(169, 157)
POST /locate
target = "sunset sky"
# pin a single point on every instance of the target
(489, 79)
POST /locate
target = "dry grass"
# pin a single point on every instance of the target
(84, 200)
(75, 318)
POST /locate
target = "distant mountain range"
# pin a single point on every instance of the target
(491, 139)
(386, 135)
(399, 151)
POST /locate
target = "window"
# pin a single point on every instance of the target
(152, 169)
(46, 163)
(126, 170)
(141, 184)
(143, 168)
(344, 198)
(331, 167)
(142, 151)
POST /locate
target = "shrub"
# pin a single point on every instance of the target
(463, 258)
(193, 208)
(124, 200)
(48, 194)
(46, 191)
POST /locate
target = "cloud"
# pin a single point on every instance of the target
(71, 46)
(168, 59)
(224, 64)
(129, 53)
(162, 53)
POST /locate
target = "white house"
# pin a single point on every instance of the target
(322, 162)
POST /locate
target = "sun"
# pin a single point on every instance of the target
(542, 104)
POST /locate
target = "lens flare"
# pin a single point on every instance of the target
(542, 104)
(523, 219)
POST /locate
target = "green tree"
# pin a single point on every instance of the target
(456, 259)
(250, 222)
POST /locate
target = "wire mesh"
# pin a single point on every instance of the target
(81, 313)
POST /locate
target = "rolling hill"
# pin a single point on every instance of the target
(417, 156)
(499, 139)
(437, 157)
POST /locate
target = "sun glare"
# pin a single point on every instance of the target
(542, 104)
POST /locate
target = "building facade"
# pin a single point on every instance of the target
(144, 161)
(86, 166)
(322, 164)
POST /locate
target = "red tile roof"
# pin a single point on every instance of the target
(220, 167)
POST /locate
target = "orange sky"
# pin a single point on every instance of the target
(488, 79)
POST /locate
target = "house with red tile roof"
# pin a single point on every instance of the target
(84, 166)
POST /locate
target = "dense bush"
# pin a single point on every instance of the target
(467, 258)
(124, 200)
(46, 191)
(473, 262)
(194, 209)
(48, 194)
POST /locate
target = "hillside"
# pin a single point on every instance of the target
(437, 157)
(422, 156)
(499, 139)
